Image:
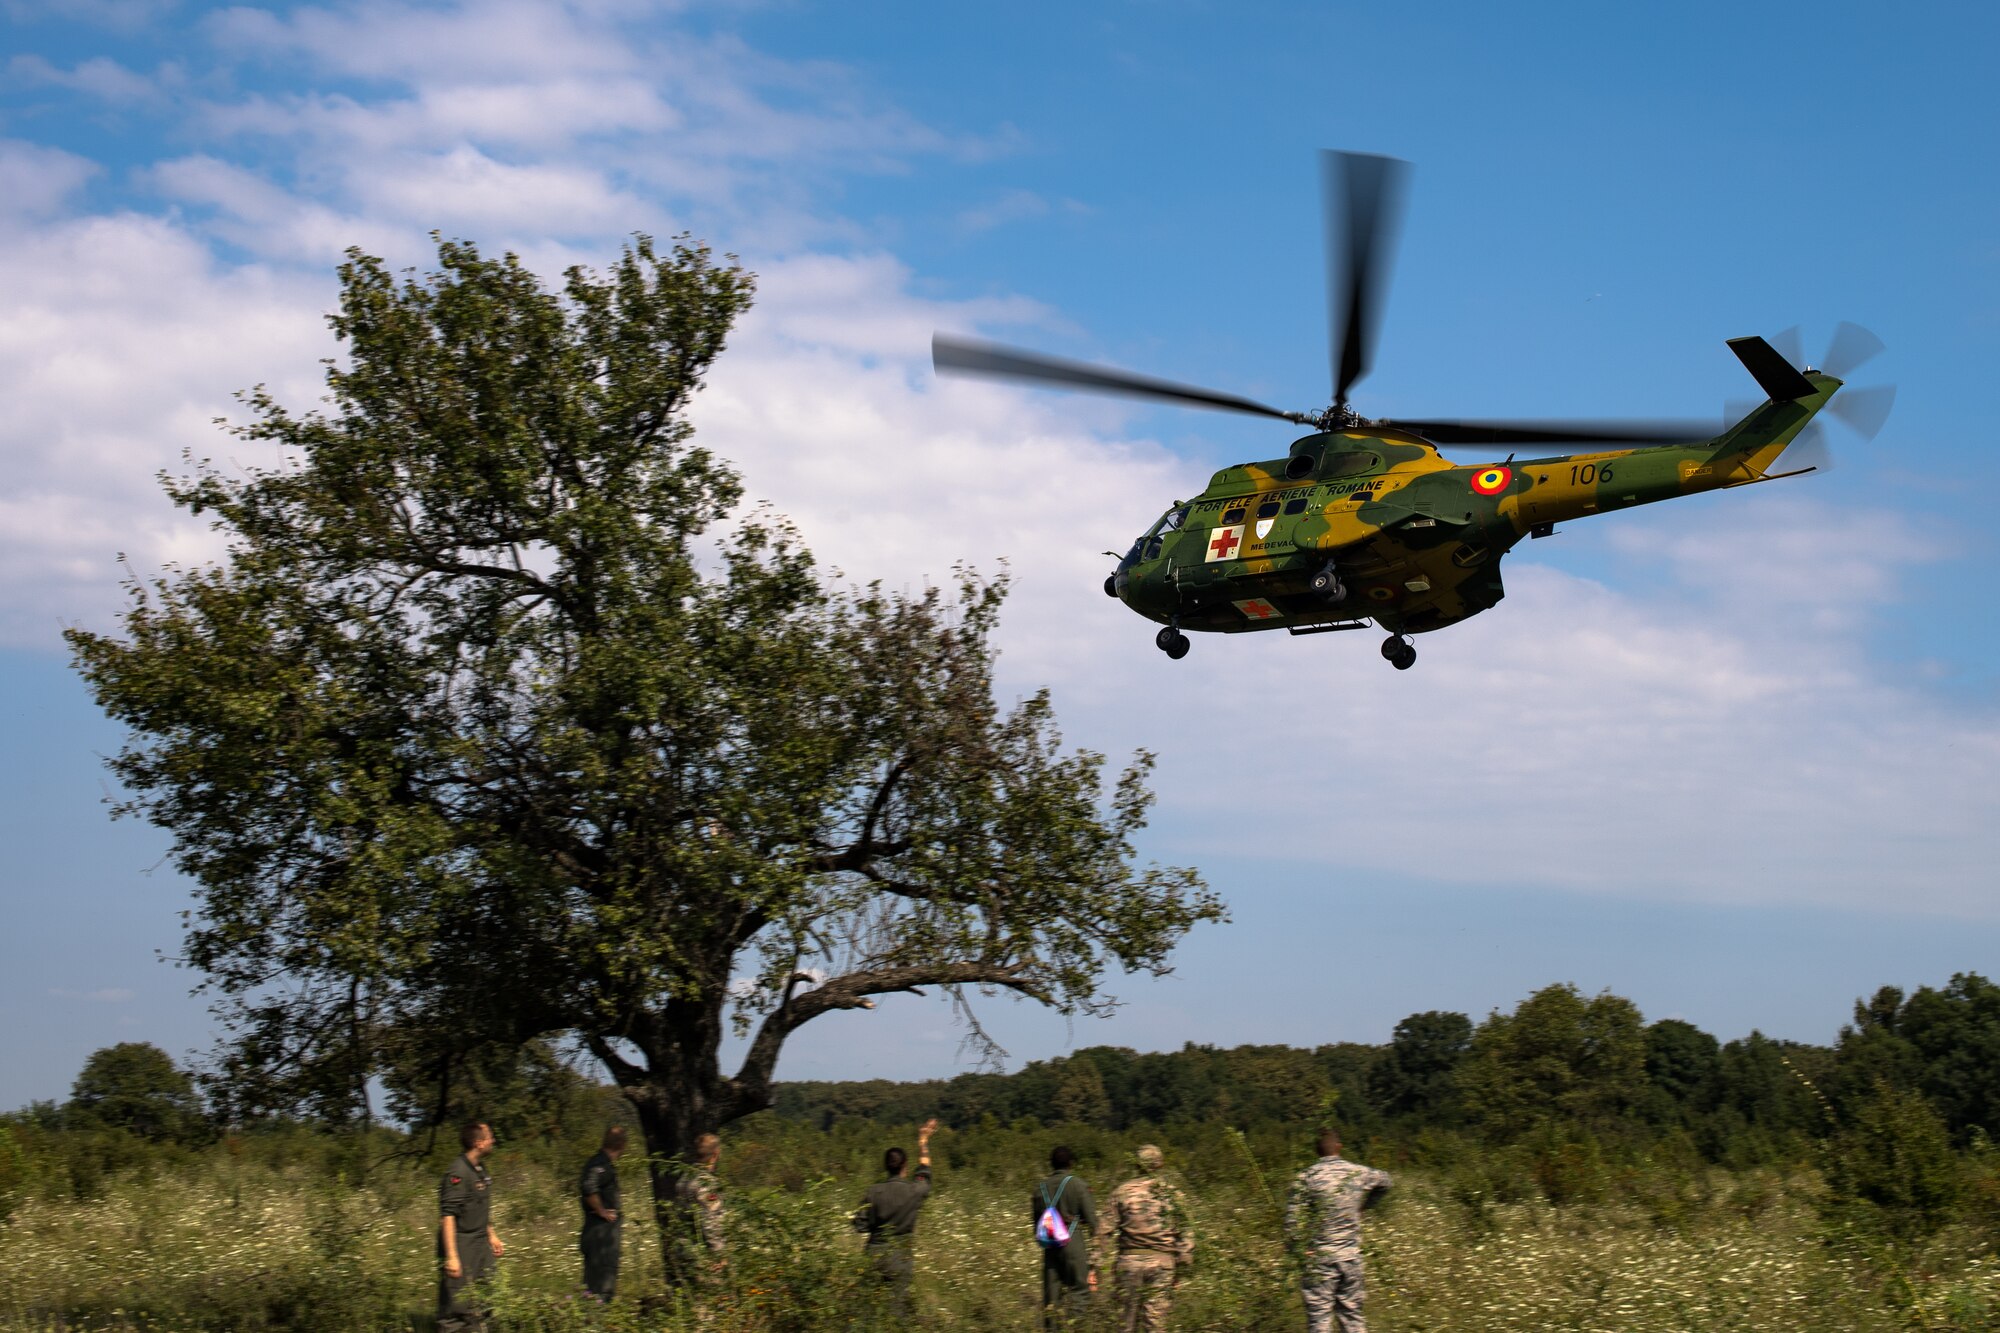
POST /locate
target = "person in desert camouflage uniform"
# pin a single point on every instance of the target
(1148, 1219)
(702, 1192)
(1323, 1228)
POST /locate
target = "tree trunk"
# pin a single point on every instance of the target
(682, 1097)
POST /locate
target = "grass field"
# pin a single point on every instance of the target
(253, 1241)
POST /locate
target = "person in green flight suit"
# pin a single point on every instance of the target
(888, 1214)
(1068, 1276)
(467, 1242)
(601, 1216)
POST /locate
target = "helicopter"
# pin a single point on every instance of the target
(1364, 522)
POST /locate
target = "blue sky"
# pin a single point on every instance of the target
(1734, 757)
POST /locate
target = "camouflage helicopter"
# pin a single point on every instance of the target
(1364, 522)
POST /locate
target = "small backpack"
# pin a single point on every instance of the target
(1050, 1229)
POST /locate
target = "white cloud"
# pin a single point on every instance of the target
(99, 77)
(1012, 206)
(36, 181)
(121, 339)
(116, 15)
(108, 995)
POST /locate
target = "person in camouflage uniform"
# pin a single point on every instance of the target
(701, 1195)
(1323, 1229)
(1147, 1217)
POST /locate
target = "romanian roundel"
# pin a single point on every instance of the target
(1492, 480)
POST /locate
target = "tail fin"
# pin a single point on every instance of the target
(1774, 375)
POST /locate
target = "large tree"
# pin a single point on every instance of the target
(505, 718)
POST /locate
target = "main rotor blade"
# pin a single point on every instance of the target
(1453, 433)
(1864, 410)
(965, 356)
(1366, 192)
(1852, 348)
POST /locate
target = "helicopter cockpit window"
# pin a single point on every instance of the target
(1232, 516)
(1269, 509)
(1169, 522)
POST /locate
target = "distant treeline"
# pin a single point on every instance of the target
(1560, 1057)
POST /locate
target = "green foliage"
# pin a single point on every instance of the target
(1417, 1076)
(1558, 1056)
(136, 1087)
(1893, 1167)
(1943, 1041)
(1081, 1100)
(1683, 1072)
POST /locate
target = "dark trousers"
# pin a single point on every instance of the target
(1065, 1285)
(600, 1245)
(458, 1310)
(895, 1265)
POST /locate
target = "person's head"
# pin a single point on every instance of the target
(1061, 1158)
(614, 1141)
(894, 1160)
(1329, 1143)
(1148, 1158)
(476, 1137)
(707, 1150)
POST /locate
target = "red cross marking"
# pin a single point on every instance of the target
(1225, 542)
(1259, 610)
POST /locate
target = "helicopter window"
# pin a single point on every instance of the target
(1153, 549)
(1232, 516)
(1175, 517)
(1297, 506)
(1269, 509)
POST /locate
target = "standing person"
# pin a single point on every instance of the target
(701, 1190)
(1067, 1275)
(1323, 1228)
(467, 1242)
(1147, 1219)
(602, 1219)
(889, 1215)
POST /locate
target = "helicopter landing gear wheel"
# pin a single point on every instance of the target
(1326, 586)
(1399, 652)
(1172, 642)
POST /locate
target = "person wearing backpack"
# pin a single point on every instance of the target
(1065, 1217)
(888, 1215)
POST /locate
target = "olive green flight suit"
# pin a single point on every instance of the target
(600, 1240)
(1066, 1268)
(889, 1215)
(465, 1196)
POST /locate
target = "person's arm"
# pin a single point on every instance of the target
(493, 1238)
(448, 1229)
(593, 1184)
(922, 1175)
